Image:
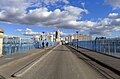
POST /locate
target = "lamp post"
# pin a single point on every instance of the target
(43, 39)
(77, 38)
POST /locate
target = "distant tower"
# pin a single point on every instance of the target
(49, 37)
(1, 41)
(58, 36)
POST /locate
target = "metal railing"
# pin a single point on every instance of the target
(107, 46)
(11, 46)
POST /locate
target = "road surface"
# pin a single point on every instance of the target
(9, 64)
(61, 63)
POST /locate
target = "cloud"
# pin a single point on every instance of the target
(69, 17)
(66, 1)
(63, 34)
(75, 10)
(42, 16)
(107, 25)
(114, 3)
(28, 32)
(83, 4)
(114, 15)
(46, 3)
(19, 30)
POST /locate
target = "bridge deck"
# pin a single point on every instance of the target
(106, 60)
(59, 62)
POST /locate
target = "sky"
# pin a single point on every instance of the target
(93, 17)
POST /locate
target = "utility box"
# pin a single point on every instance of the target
(1, 41)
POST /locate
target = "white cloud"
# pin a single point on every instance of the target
(115, 3)
(19, 30)
(107, 25)
(66, 18)
(46, 3)
(63, 34)
(66, 1)
(75, 10)
(28, 32)
(16, 13)
(83, 4)
(114, 15)
(42, 16)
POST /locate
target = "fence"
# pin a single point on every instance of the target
(13, 45)
(108, 46)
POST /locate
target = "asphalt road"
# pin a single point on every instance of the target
(61, 63)
(9, 64)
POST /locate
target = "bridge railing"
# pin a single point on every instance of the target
(108, 46)
(12, 45)
(16, 45)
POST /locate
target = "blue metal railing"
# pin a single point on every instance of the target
(11, 46)
(108, 46)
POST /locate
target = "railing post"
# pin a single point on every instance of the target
(1, 41)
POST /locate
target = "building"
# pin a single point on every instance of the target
(1, 41)
(80, 37)
(70, 38)
(50, 37)
(12, 40)
(58, 36)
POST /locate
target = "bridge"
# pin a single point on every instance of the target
(59, 62)
(59, 39)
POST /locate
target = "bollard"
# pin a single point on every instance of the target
(1, 41)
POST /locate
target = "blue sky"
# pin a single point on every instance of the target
(95, 17)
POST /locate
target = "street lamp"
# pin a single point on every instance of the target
(43, 36)
(77, 38)
(43, 39)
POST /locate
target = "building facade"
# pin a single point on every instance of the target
(58, 36)
(1, 41)
(50, 37)
(80, 37)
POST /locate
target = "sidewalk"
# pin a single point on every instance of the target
(107, 61)
(1, 55)
(11, 57)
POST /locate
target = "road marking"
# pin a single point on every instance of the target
(20, 59)
(19, 74)
(8, 58)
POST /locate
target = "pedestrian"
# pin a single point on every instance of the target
(43, 44)
(47, 44)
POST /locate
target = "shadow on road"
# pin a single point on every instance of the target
(1, 77)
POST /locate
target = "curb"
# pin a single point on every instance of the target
(99, 62)
(101, 53)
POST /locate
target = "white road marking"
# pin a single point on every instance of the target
(44, 56)
(8, 58)
(10, 63)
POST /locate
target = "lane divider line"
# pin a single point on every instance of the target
(20, 73)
